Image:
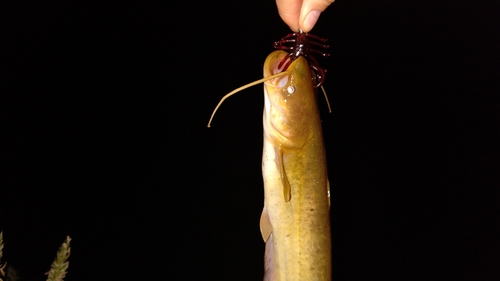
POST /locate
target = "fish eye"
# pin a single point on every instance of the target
(290, 89)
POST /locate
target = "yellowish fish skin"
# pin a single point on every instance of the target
(299, 246)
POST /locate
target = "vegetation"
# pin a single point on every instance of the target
(57, 271)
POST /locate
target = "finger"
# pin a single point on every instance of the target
(289, 12)
(310, 12)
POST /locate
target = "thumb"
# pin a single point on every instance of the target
(309, 14)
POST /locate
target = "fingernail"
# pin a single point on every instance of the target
(311, 20)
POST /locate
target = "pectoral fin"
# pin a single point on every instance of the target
(287, 190)
(265, 225)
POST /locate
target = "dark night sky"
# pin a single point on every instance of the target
(103, 112)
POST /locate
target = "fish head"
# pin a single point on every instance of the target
(290, 101)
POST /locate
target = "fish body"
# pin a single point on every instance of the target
(295, 222)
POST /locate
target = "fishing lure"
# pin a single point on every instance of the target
(302, 44)
(295, 221)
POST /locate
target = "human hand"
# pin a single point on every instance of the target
(301, 14)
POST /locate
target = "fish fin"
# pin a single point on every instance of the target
(265, 225)
(269, 272)
(287, 189)
(328, 188)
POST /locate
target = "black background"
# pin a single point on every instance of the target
(103, 119)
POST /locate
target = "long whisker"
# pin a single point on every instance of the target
(326, 98)
(243, 88)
